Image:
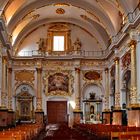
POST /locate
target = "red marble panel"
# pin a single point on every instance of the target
(134, 118)
(117, 118)
(106, 118)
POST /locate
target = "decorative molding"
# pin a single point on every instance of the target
(92, 76)
(58, 27)
(28, 63)
(24, 76)
(61, 4)
(60, 11)
(58, 63)
(93, 63)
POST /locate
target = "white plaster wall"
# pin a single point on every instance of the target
(92, 88)
(89, 43)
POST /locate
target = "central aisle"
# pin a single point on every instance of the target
(62, 132)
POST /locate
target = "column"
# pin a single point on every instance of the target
(39, 90)
(117, 84)
(138, 66)
(133, 90)
(134, 108)
(117, 112)
(3, 84)
(77, 88)
(39, 112)
(10, 110)
(10, 89)
(77, 111)
(3, 108)
(106, 90)
(106, 114)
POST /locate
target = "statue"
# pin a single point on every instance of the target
(77, 45)
(42, 45)
(92, 95)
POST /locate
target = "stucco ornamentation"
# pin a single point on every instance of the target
(58, 83)
(24, 76)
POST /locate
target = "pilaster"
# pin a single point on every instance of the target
(77, 111)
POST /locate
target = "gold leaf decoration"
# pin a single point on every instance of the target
(24, 76)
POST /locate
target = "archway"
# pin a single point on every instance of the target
(92, 102)
(126, 87)
(112, 95)
(24, 103)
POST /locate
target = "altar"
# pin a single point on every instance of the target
(92, 110)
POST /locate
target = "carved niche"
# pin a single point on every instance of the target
(58, 83)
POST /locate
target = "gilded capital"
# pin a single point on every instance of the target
(116, 60)
(10, 70)
(77, 70)
(106, 70)
(39, 70)
(132, 44)
(4, 59)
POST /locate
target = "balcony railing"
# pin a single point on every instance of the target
(81, 53)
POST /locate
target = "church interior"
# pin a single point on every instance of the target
(69, 66)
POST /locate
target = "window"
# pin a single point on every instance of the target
(58, 43)
(58, 39)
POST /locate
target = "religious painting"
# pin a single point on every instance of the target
(58, 82)
(25, 108)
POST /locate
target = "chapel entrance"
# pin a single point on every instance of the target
(57, 112)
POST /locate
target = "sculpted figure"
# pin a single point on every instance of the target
(77, 45)
(42, 45)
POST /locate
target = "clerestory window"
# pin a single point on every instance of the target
(58, 43)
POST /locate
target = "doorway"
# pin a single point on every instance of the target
(57, 112)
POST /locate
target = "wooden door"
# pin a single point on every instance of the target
(57, 111)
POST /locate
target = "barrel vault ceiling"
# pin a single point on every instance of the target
(101, 18)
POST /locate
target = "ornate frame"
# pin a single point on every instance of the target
(58, 29)
(93, 80)
(58, 92)
(24, 76)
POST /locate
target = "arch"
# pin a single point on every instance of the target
(24, 83)
(81, 5)
(124, 72)
(126, 81)
(86, 85)
(87, 27)
(112, 93)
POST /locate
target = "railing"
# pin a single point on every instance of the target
(81, 53)
(129, 19)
